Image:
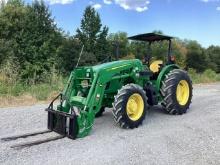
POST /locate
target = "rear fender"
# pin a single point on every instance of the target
(163, 73)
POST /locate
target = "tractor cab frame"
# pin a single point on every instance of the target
(151, 38)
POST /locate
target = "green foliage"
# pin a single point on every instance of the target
(9, 70)
(102, 45)
(92, 35)
(67, 54)
(119, 39)
(196, 57)
(87, 59)
(139, 49)
(213, 53)
(179, 51)
(41, 91)
(32, 38)
(159, 50)
(11, 24)
(207, 76)
(40, 42)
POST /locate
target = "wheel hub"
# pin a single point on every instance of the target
(132, 106)
(182, 92)
(135, 107)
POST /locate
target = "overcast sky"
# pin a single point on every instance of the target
(192, 19)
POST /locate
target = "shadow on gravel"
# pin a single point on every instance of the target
(157, 109)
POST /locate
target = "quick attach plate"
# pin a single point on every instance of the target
(62, 123)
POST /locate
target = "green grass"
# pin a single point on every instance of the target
(208, 76)
(39, 91)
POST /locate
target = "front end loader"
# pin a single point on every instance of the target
(89, 91)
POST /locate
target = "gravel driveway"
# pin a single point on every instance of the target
(193, 138)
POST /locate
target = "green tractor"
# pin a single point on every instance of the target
(129, 87)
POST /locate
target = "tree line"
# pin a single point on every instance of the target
(33, 49)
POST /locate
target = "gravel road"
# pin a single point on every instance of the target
(193, 138)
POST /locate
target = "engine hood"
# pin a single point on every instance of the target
(114, 64)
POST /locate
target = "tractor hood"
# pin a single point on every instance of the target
(115, 64)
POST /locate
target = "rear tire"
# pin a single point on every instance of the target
(177, 92)
(130, 106)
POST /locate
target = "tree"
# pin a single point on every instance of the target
(11, 25)
(102, 46)
(39, 41)
(179, 50)
(32, 38)
(139, 49)
(119, 39)
(213, 53)
(92, 35)
(68, 55)
(159, 50)
(196, 57)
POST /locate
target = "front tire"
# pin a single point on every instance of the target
(130, 106)
(177, 92)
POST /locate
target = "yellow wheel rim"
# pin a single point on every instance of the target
(182, 92)
(135, 107)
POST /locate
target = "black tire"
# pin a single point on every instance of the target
(169, 89)
(100, 112)
(119, 106)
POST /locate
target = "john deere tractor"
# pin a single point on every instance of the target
(129, 87)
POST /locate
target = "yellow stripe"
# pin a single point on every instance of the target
(117, 67)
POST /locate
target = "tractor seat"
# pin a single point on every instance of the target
(155, 66)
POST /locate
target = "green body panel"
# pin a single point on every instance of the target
(163, 73)
(158, 82)
(90, 88)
